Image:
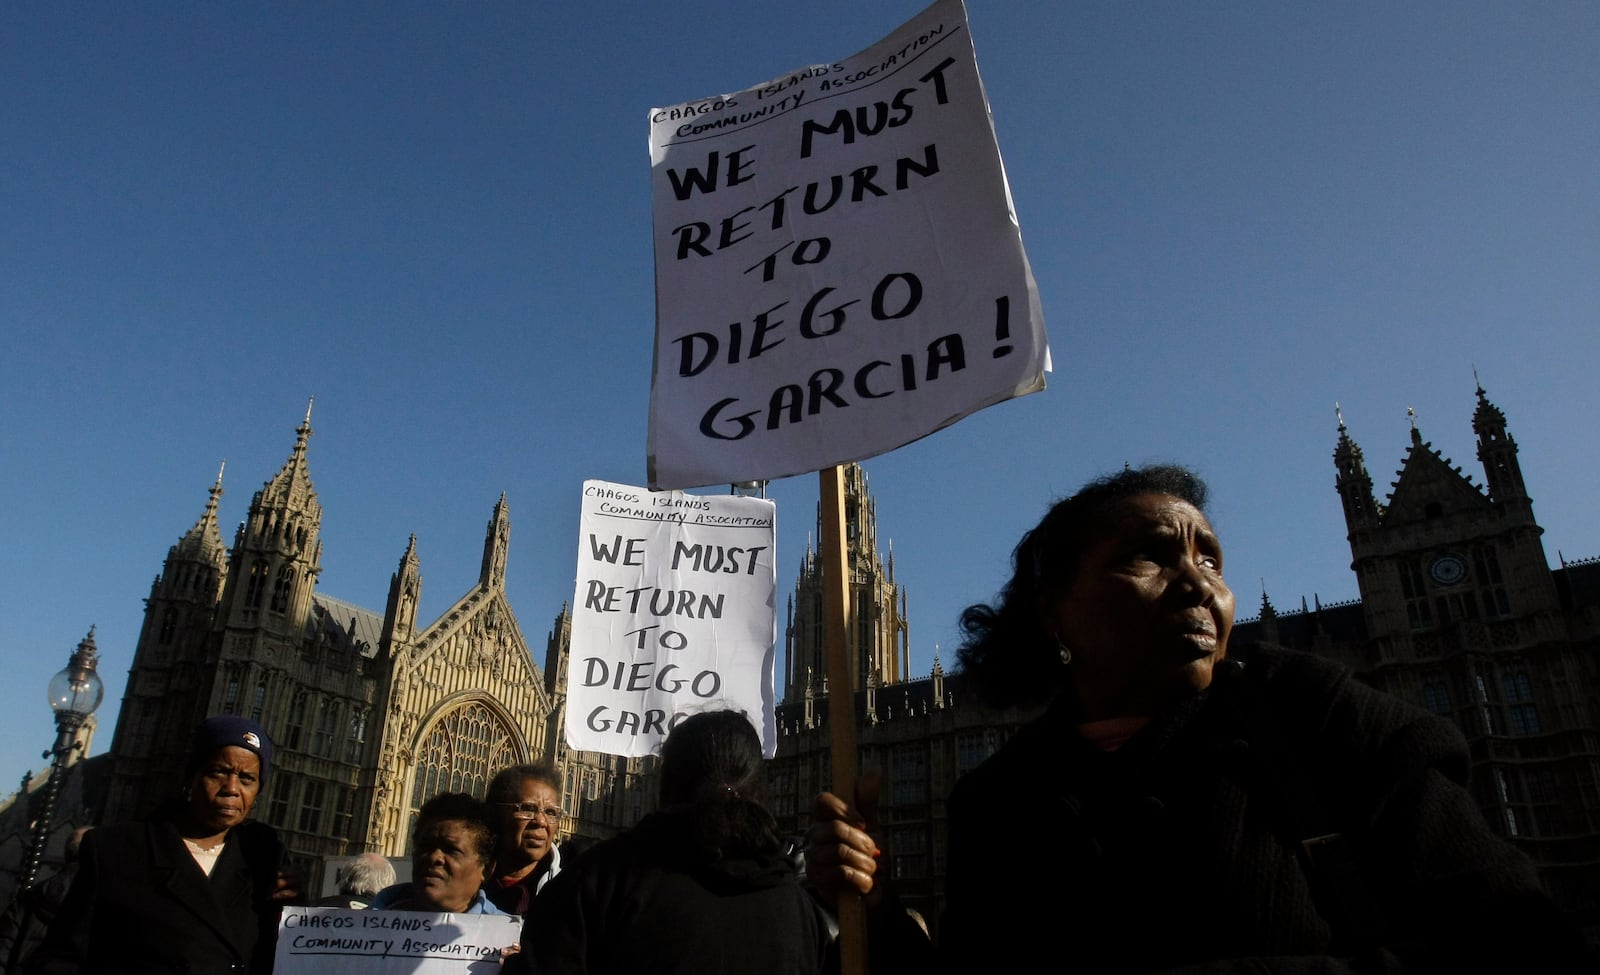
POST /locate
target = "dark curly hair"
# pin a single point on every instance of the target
(466, 809)
(1006, 655)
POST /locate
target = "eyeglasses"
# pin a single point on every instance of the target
(531, 810)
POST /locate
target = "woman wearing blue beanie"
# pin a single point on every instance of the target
(192, 889)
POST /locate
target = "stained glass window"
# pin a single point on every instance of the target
(460, 754)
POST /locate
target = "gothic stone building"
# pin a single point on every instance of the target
(1460, 613)
(371, 713)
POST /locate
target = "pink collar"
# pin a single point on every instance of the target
(1110, 734)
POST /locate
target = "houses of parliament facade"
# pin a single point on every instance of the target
(373, 712)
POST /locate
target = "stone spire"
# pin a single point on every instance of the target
(405, 591)
(496, 546)
(1502, 472)
(291, 486)
(277, 552)
(1353, 482)
(203, 542)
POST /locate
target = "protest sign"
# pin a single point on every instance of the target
(839, 270)
(674, 613)
(334, 941)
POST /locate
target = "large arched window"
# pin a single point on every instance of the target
(461, 754)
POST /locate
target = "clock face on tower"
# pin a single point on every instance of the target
(1447, 570)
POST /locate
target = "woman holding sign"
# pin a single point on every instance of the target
(700, 887)
(1184, 804)
(452, 854)
(195, 889)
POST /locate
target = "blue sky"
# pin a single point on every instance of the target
(435, 218)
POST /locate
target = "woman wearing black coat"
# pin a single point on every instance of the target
(192, 889)
(1185, 807)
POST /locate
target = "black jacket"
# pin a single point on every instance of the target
(1290, 819)
(641, 904)
(140, 904)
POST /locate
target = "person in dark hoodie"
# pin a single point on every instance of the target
(701, 886)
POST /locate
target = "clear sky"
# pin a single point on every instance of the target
(435, 218)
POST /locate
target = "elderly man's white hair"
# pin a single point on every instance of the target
(364, 876)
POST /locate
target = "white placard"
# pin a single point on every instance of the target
(334, 941)
(674, 613)
(839, 269)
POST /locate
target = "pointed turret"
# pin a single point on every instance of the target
(197, 564)
(878, 637)
(204, 541)
(172, 666)
(1269, 618)
(277, 552)
(1497, 451)
(405, 591)
(1353, 482)
(860, 517)
(496, 545)
(184, 596)
(291, 486)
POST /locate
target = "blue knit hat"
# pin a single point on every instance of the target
(229, 729)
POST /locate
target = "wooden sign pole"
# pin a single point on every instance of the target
(841, 694)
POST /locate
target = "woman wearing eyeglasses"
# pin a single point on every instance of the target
(526, 800)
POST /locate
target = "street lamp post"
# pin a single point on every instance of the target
(74, 694)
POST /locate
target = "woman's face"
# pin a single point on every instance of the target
(525, 841)
(446, 868)
(1146, 614)
(224, 788)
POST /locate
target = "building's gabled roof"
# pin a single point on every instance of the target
(1429, 487)
(344, 625)
(486, 605)
(1578, 583)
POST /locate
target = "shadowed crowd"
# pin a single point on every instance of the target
(1182, 805)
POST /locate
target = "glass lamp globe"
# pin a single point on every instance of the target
(76, 690)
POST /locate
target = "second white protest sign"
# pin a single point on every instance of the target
(674, 612)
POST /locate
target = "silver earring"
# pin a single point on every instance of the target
(1065, 651)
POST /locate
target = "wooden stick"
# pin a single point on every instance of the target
(841, 695)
